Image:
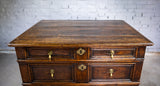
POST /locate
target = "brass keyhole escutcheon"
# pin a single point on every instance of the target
(82, 67)
(80, 51)
(111, 72)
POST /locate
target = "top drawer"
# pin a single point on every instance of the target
(57, 53)
(80, 53)
(113, 53)
(50, 53)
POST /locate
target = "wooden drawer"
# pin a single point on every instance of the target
(113, 53)
(57, 53)
(42, 53)
(52, 72)
(113, 71)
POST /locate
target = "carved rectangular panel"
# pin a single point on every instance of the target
(104, 71)
(117, 53)
(137, 71)
(20, 52)
(82, 53)
(53, 72)
(82, 72)
(57, 53)
(141, 52)
(25, 73)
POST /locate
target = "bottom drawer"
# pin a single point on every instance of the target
(110, 72)
(52, 72)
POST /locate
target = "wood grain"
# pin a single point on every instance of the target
(42, 53)
(62, 72)
(84, 33)
(101, 71)
(97, 38)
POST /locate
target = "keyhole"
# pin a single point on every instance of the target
(80, 51)
(82, 68)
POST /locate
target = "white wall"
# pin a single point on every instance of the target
(18, 15)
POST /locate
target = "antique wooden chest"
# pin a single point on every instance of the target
(80, 53)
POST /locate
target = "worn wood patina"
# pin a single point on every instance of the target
(80, 52)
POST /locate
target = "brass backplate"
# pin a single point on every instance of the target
(80, 51)
(82, 67)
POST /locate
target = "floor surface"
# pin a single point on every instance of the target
(10, 75)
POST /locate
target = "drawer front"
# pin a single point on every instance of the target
(43, 53)
(53, 72)
(113, 53)
(102, 71)
(57, 53)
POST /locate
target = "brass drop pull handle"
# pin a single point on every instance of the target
(80, 51)
(111, 72)
(52, 73)
(112, 53)
(50, 55)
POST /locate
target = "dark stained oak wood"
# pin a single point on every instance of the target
(62, 72)
(125, 83)
(137, 71)
(82, 57)
(42, 53)
(25, 73)
(82, 76)
(118, 53)
(80, 33)
(22, 54)
(101, 71)
(141, 52)
(65, 37)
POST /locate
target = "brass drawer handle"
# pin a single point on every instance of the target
(112, 53)
(80, 51)
(50, 55)
(111, 72)
(52, 73)
(82, 67)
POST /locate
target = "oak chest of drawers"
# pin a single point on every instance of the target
(80, 53)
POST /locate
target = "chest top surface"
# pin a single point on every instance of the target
(80, 33)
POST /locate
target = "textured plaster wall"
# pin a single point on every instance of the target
(18, 15)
